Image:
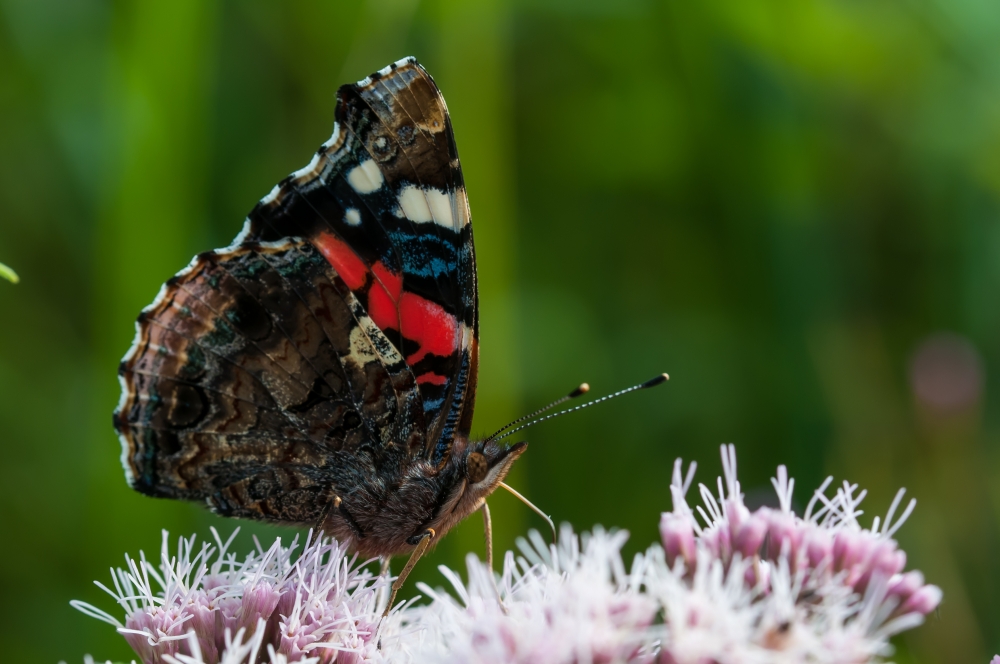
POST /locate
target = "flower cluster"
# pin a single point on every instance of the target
(778, 587)
(556, 603)
(202, 605)
(727, 585)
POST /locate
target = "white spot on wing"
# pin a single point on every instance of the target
(352, 217)
(461, 206)
(387, 70)
(362, 351)
(423, 204)
(368, 344)
(282, 244)
(161, 294)
(330, 142)
(440, 204)
(309, 168)
(413, 203)
(241, 236)
(271, 195)
(129, 475)
(122, 436)
(366, 177)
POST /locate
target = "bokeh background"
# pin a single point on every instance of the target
(789, 205)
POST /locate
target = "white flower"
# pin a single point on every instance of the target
(562, 603)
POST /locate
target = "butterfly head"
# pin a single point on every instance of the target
(478, 468)
(487, 463)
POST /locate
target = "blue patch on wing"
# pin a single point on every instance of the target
(426, 255)
(433, 406)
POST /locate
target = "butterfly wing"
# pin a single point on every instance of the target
(338, 330)
(254, 370)
(384, 200)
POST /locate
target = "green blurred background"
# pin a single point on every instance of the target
(783, 203)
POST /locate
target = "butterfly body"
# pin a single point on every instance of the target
(321, 370)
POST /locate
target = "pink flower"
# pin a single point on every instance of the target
(202, 605)
(772, 580)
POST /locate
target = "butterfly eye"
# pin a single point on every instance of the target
(476, 468)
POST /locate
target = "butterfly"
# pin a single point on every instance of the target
(321, 369)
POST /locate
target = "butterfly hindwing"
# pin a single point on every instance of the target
(384, 202)
(253, 374)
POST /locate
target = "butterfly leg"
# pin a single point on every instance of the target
(383, 572)
(332, 504)
(426, 538)
(488, 527)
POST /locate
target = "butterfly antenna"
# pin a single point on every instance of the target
(537, 511)
(583, 389)
(653, 382)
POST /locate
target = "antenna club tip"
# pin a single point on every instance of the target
(583, 389)
(662, 378)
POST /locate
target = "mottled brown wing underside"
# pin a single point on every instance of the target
(254, 376)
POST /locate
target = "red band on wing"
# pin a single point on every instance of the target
(382, 309)
(417, 319)
(427, 323)
(383, 297)
(348, 264)
(432, 378)
(390, 282)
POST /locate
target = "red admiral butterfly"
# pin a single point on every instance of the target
(321, 370)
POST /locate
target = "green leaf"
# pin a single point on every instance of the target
(8, 274)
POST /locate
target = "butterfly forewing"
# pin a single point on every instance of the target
(384, 201)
